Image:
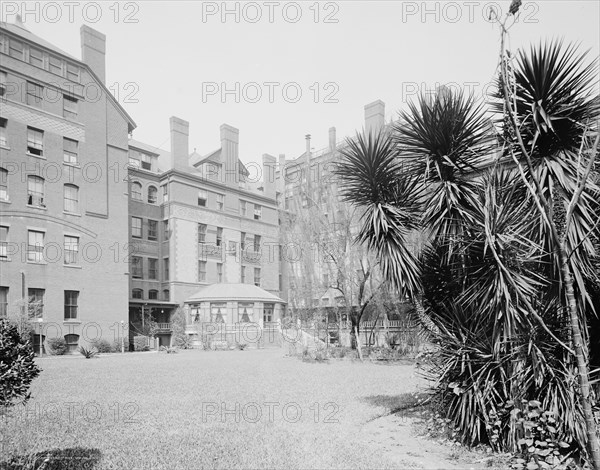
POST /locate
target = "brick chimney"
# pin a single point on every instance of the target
(180, 131)
(374, 116)
(93, 51)
(269, 166)
(332, 139)
(230, 140)
(281, 180)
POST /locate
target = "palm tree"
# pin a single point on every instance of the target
(504, 279)
(547, 99)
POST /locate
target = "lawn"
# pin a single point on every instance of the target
(197, 409)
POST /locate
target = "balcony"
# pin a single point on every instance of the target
(164, 327)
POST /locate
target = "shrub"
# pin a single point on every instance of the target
(57, 346)
(103, 346)
(241, 346)
(17, 366)
(169, 349)
(88, 353)
(140, 343)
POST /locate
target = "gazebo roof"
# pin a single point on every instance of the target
(233, 292)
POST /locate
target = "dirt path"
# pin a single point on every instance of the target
(396, 436)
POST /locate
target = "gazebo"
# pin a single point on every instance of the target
(233, 304)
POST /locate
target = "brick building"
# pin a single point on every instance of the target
(198, 220)
(63, 206)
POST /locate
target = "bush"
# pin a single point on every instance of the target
(103, 346)
(140, 343)
(88, 353)
(17, 366)
(169, 349)
(241, 346)
(57, 346)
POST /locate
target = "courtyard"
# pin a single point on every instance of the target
(222, 409)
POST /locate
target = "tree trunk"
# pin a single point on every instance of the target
(580, 356)
(422, 315)
(358, 344)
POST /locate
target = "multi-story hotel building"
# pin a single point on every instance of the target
(63, 207)
(201, 220)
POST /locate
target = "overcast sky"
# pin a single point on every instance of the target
(177, 58)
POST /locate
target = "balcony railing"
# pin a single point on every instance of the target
(164, 326)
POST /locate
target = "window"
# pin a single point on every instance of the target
(136, 191)
(243, 208)
(166, 229)
(137, 294)
(56, 65)
(243, 275)
(243, 241)
(134, 162)
(72, 72)
(220, 201)
(72, 342)
(152, 194)
(219, 272)
(71, 198)
(166, 295)
(245, 312)
(3, 133)
(36, 57)
(257, 212)
(15, 49)
(326, 280)
(153, 294)
(152, 268)
(35, 302)
(35, 191)
(70, 107)
(3, 302)
(3, 184)
(3, 242)
(71, 298)
(136, 267)
(202, 197)
(71, 249)
(268, 312)
(70, 151)
(165, 193)
(166, 269)
(218, 312)
(2, 82)
(232, 247)
(34, 94)
(136, 227)
(35, 142)
(201, 271)
(257, 277)
(219, 236)
(257, 241)
(201, 233)
(146, 162)
(152, 229)
(35, 246)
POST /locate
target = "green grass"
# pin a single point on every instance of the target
(155, 411)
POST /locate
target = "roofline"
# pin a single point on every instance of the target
(128, 118)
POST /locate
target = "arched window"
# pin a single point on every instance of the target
(72, 342)
(71, 198)
(152, 194)
(3, 184)
(153, 294)
(136, 191)
(35, 191)
(137, 294)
